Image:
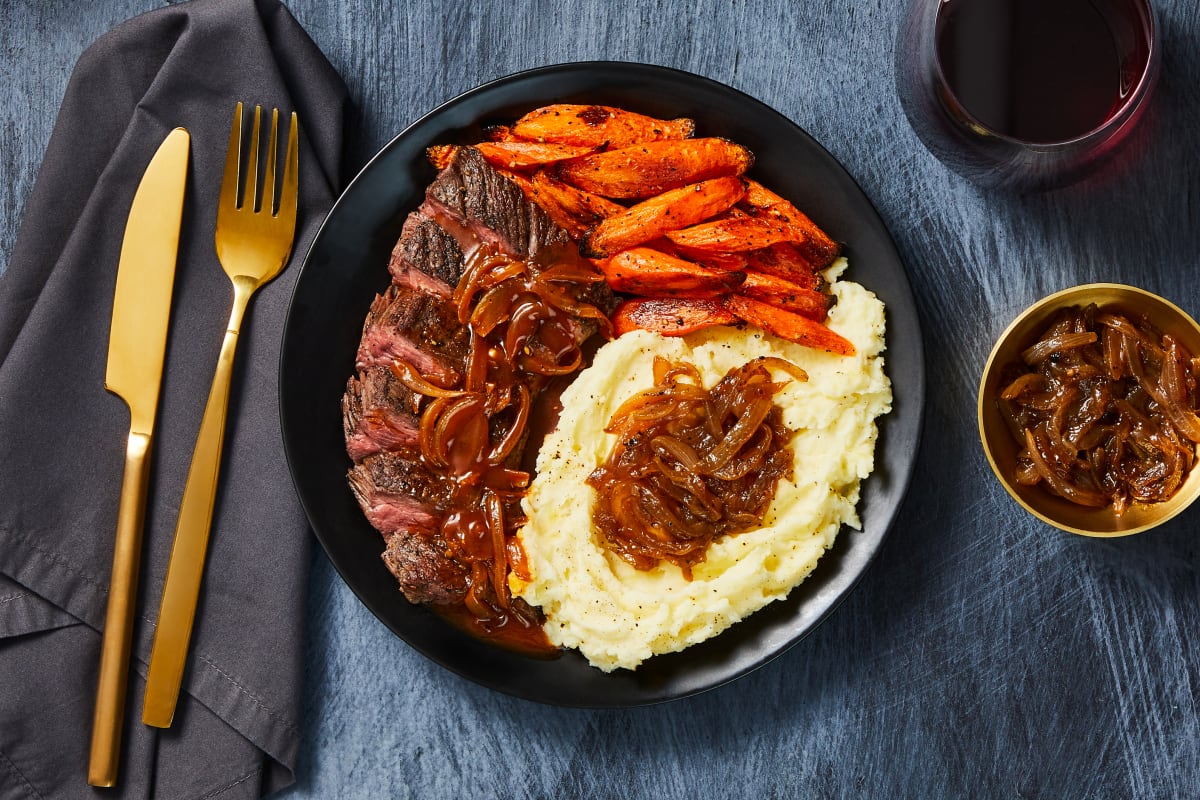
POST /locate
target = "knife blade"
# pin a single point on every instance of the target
(136, 353)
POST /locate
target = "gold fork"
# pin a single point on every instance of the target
(253, 244)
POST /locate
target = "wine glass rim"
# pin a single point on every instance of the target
(1134, 99)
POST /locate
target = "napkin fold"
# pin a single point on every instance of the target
(62, 436)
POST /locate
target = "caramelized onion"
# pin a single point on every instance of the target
(774, 362)
(1104, 409)
(747, 424)
(512, 436)
(427, 432)
(477, 364)
(1039, 450)
(495, 517)
(486, 268)
(525, 322)
(1056, 344)
(690, 464)
(752, 457)
(1029, 382)
(570, 273)
(1175, 391)
(413, 379)
(685, 456)
(496, 306)
(541, 359)
(561, 300)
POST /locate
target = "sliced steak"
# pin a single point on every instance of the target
(469, 204)
(404, 472)
(378, 414)
(399, 497)
(426, 257)
(417, 327)
(473, 201)
(397, 493)
(424, 572)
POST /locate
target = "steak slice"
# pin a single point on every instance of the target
(397, 492)
(378, 414)
(399, 497)
(469, 204)
(478, 205)
(426, 257)
(417, 327)
(424, 572)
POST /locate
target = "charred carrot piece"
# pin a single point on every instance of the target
(572, 209)
(786, 295)
(787, 325)
(597, 126)
(668, 211)
(499, 133)
(726, 261)
(522, 155)
(522, 180)
(440, 155)
(651, 168)
(670, 316)
(784, 260)
(644, 271)
(731, 235)
(763, 203)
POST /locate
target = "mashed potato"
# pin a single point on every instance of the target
(618, 616)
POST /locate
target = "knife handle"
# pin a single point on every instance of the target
(119, 615)
(181, 589)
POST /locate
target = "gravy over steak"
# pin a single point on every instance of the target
(489, 303)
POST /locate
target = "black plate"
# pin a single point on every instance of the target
(346, 266)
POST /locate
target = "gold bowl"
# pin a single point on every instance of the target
(1001, 449)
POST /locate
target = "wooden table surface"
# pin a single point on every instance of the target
(984, 654)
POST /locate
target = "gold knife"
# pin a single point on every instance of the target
(136, 350)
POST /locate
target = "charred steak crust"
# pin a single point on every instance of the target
(416, 326)
(402, 473)
(378, 414)
(491, 207)
(399, 497)
(426, 255)
(469, 204)
(420, 566)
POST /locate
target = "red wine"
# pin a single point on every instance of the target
(1042, 70)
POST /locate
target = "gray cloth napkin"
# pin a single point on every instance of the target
(62, 436)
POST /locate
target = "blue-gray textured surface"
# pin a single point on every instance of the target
(984, 654)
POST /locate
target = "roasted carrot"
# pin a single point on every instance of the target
(522, 155)
(727, 261)
(645, 271)
(440, 155)
(644, 170)
(731, 235)
(670, 316)
(787, 325)
(499, 133)
(763, 203)
(783, 260)
(520, 179)
(668, 211)
(572, 209)
(597, 126)
(786, 295)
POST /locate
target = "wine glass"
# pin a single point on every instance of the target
(1025, 94)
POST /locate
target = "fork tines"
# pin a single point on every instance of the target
(262, 194)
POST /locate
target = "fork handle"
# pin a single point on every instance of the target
(181, 589)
